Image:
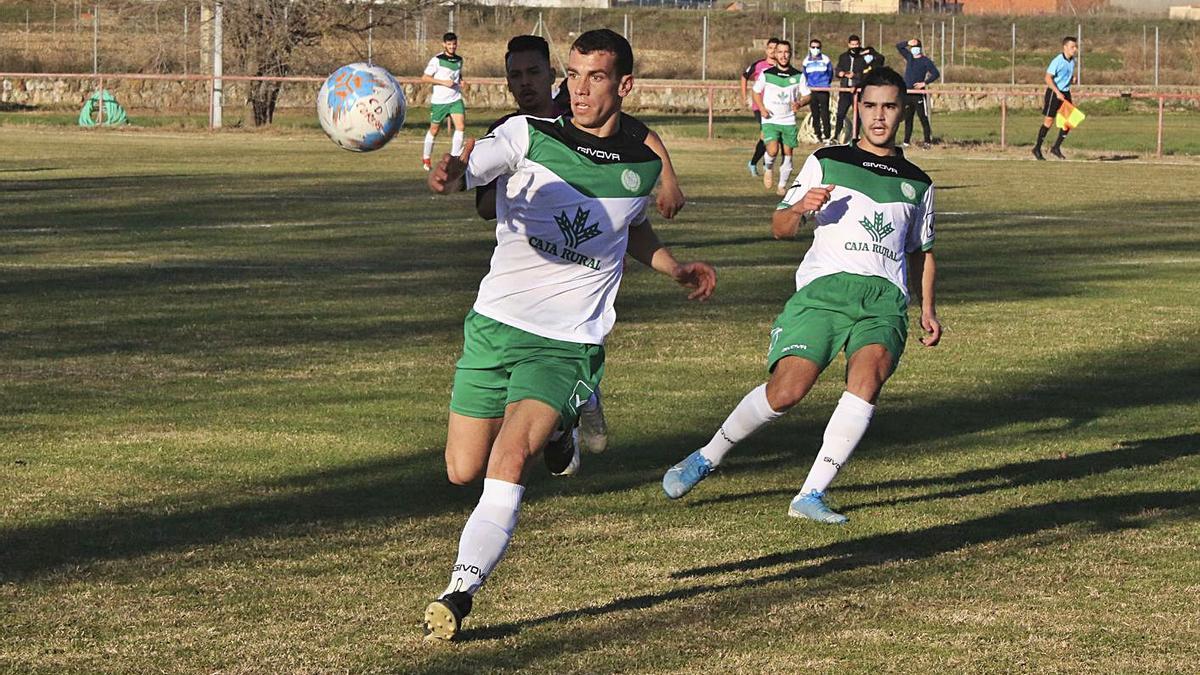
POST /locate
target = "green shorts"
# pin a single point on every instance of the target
(840, 311)
(440, 111)
(785, 133)
(501, 364)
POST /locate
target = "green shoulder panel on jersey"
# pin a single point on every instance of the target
(782, 79)
(884, 179)
(613, 167)
(449, 62)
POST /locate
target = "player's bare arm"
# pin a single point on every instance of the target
(786, 222)
(646, 248)
(670, 199)
(758, 100)
(1054, 87)
(922, 264)
(450, 174)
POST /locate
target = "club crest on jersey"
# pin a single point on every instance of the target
(630, 180)
(908, 190)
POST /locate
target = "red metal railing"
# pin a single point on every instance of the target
(710, 88)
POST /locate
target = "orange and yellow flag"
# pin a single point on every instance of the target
(1069, 116)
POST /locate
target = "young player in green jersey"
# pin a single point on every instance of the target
(780, 93)
(873, 215)
(444, 72)
(530, 78)
(533, 347)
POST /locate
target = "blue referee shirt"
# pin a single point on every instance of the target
(1062, 70)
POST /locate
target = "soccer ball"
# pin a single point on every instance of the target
(361, 107)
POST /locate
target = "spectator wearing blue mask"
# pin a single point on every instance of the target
(1059, 75)
(818, 72)
(919, 73)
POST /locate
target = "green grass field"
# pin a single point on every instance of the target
(225, 366)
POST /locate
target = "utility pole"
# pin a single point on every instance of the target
(217, 65)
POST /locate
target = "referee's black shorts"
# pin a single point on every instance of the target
(1051, 104)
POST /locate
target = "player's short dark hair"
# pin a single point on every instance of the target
(853, 38)
(605, 40)
(884, 77)
(449, 37)
(528, 43)
(773, 41)
(784, 43)
(1069, 38)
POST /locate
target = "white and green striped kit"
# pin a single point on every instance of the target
(562, 224)
(445, 67)
(780, 88)
(880, 209)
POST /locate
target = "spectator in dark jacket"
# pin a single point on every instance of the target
(852, 66)
(919, 73)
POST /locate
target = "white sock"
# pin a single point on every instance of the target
(427, 151)
(785, 171)
(845, 429)
(486, 535)
(456, 143)
(768, 161)
(749, 415)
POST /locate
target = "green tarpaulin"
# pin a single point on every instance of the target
(113, 112)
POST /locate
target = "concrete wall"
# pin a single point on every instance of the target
(1155, 7)
(164, 96)
(853, 6)
(1017, 7)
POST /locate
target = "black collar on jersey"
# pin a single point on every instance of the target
(615, 149)
(446, 56)
(894, 166)
(779, 70)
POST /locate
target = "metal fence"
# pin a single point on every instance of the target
(704, 95)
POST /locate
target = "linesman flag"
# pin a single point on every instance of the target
(1068, 116)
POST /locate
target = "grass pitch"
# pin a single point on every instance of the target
(226, 361)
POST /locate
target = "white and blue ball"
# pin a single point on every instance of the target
(361, 107)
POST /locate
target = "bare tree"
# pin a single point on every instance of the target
(265, 34)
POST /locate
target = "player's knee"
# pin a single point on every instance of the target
(462, 473)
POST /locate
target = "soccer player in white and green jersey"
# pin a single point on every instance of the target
(873, 215)
(574, 203)
(780, 92)
(444, 72)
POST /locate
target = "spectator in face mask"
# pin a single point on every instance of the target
(853, 65)
(818, 72)
(919, 72)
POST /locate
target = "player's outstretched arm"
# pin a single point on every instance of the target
(646, 248)
(450, 174)
(922, 263)
(670, 199)
(786, 222)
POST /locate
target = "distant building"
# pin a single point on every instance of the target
(1034, 6)
(853, 6)
(1189, 12)
(586, 4)
(1156, 7)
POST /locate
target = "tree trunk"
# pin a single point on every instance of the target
(263, 97)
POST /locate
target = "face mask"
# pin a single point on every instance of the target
(869, 58)
(815, 51)
(916, 51)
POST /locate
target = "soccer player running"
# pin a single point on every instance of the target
(444, 72)
(1059, 75)
(533, 346)
(818, 72)
(919, 73)
(780, 91)
(530, 77)
(749, 77)
(852, 66)
(870, 207)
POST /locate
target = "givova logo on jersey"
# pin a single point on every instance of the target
(575, 231)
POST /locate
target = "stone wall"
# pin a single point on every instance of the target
(657, 96)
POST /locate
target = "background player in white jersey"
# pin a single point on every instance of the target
(780, 92)
(530, 78)
(573, 205)
(870, 206)
(444, 72)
